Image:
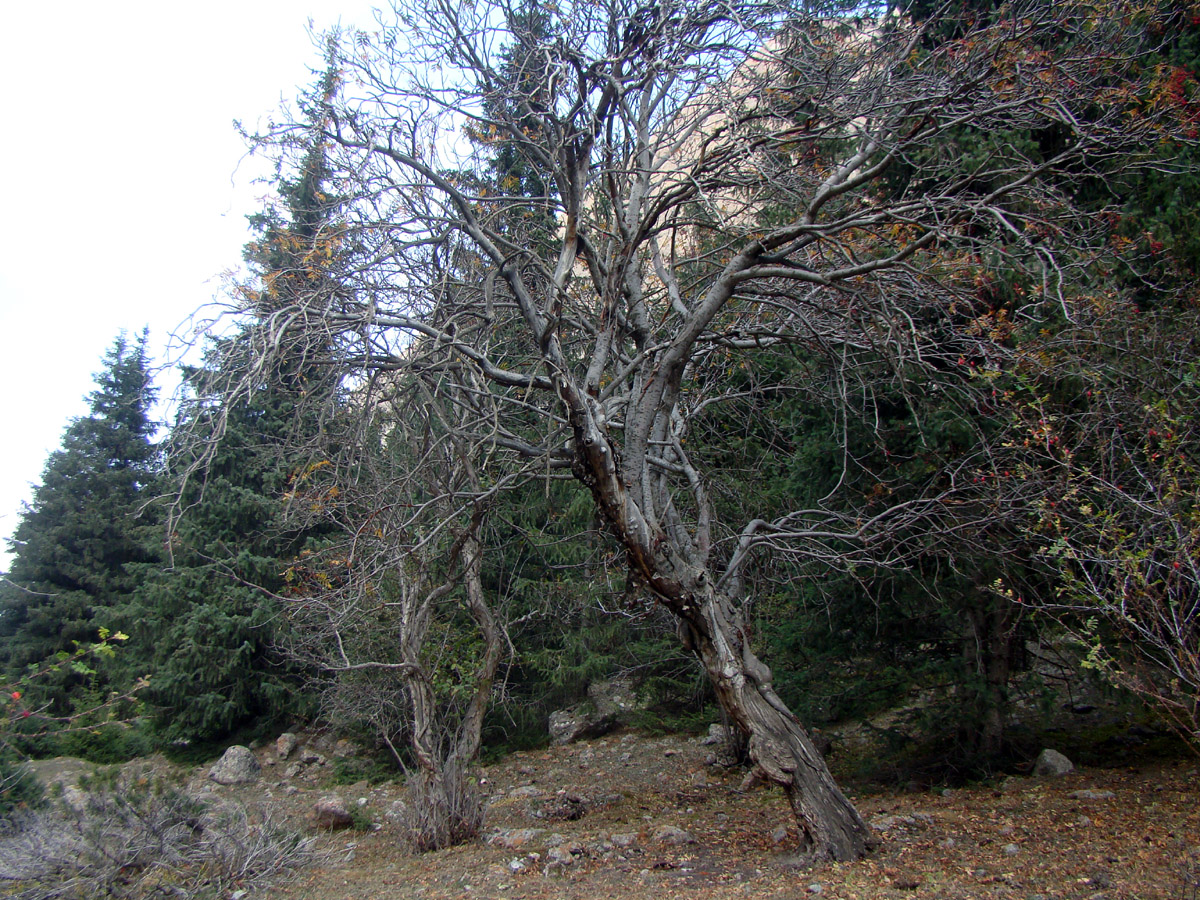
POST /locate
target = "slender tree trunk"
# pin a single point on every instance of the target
(451, 810)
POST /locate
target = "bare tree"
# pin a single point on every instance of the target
(395, 613)
(717, 177)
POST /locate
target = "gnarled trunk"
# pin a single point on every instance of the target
(830, 826)
(710, 626)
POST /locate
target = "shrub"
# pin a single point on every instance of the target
(134, 835)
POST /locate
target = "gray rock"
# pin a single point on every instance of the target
(673, 834)
(607, 707)
(1051, 763)
(528, 792)
(624, 839)
(1091, 795)
(236, 766)
(285, 744)
(1011, 849)
(311, 757)
(724, 753)
(331, 812)
(514, 838)
(397, 812)
(567, 725)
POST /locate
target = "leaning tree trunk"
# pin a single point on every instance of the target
(830, 826)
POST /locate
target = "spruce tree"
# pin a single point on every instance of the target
(88, 523)
(214, 612)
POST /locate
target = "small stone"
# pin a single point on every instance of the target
(947, 844)
(815, 888)
(559, 856)
(311, 757)
(514, 838)
(293, 770)
(1091, 795)
(516, 865)
(285, 744)
(527, 792)
(1011, 849)
(673, 834)
(624, 839)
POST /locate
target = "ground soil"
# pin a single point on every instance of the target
(594, 820)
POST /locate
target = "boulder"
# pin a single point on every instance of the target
(567, 725)
(236, 766)
(331, 812)
(1051, 763)
(607, 707)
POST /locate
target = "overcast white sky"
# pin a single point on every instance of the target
(125, 189)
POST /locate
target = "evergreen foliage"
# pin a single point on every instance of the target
(89, 525)
(215, 612)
